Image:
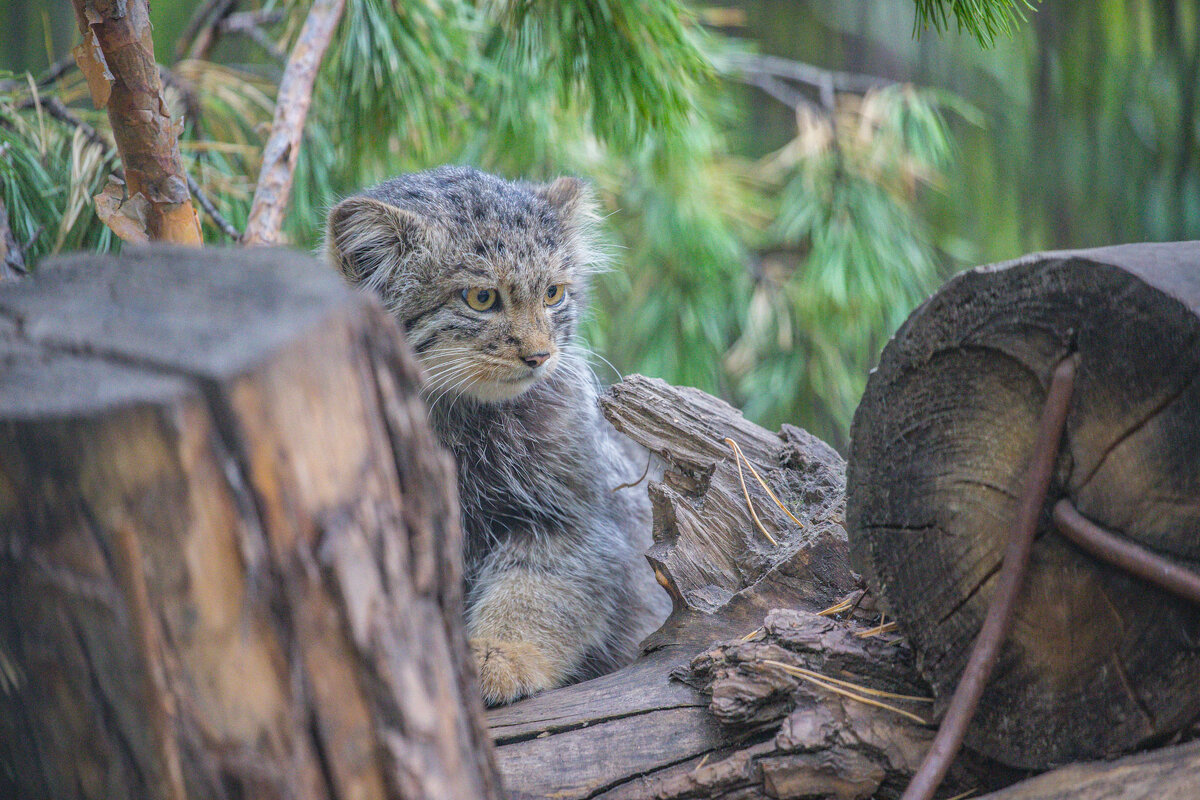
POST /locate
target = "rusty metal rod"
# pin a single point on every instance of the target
(998, 621)
(1121, 552)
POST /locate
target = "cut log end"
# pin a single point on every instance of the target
(1097, 662)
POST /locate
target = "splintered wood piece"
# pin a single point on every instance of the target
(1098, 662)
(228, 541)
(717, 530)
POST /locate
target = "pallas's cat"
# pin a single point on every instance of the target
(489, 278)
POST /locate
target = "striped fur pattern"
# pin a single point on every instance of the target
(558, 590)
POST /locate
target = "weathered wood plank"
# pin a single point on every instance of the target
(1170, 773)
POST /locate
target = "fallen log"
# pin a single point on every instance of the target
(694, 718)
(1099, 662)
(228, 541)
(1170, 773)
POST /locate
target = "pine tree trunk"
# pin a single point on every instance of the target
(230, 554)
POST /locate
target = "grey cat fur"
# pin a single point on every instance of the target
(557, 587)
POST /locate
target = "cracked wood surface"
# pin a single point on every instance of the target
(230, 547)
(1098, 662)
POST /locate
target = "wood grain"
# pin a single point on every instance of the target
(1098, 662)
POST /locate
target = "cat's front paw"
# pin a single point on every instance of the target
(509, 670)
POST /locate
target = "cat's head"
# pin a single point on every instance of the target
(487, 276)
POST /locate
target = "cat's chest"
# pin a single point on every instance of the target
(513, 475)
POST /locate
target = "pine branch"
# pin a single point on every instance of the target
(55, 108)
(52, 75)
(12, 254)
(984, 19)
(57, 70)
(250, 24)
(117, 58)
(282, 150)
(225, 225)
(779, 90)
(749, 64)
(202, 29)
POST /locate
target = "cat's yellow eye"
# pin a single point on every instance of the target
(480, 299)
(555, 294)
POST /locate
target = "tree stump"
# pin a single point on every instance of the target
(230, 550)
(1098, 662)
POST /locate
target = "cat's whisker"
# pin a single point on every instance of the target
(458, 390)
(434, 390)
(587, 352)
(444, 367)
(576, 367)
(465, 388)
(436, 356)
(450, 381)
(446, 378)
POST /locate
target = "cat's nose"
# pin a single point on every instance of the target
(535, 359)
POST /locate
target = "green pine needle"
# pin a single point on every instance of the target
(984, 19)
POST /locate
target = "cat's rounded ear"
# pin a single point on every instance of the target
(370, 241)
(571, 198)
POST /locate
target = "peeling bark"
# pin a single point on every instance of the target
(116, 57)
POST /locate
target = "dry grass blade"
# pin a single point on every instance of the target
(838, 608)
(751, 635)
(86, 161)
(848, 685)
(738, 451)
(963, 795)
(742, 479)
(878, 629)
(832, 685)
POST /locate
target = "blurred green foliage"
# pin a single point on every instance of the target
(764, 246)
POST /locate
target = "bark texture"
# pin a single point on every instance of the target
(1098, 663)
(117, 58)
(1171, 773)
(230, 546)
